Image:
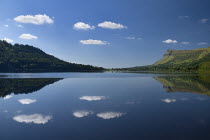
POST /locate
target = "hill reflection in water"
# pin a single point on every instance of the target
(195, 84)
(23, 85)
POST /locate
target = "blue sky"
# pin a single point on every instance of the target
(107, 33)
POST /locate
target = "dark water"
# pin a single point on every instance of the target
(104, 106)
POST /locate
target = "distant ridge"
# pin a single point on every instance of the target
(25, 58)
(180, 60)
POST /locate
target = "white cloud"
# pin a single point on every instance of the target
(81, 114)
(92, 98)
(28, 36)
(169, 100)
(93, 42)
(7, 40)
(34, 118)
(83, 26)
(202, 43)
(185, 43)
(204, 20)
(6, 25)
(183, 17)
(111, 25)
(34, 19)
(169, 41)
(110, 115)
(131, 37)
(20, 26)
(26, 101)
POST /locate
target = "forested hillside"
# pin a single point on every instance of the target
(25, 58)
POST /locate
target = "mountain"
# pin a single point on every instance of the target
(180, 60)
(25, 58)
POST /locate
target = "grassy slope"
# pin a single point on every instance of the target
(180, 60)
(178, 57)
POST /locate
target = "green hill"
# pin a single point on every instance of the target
(180, 60)
(25, 58)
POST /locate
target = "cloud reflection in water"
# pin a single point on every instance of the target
(26, 101)
(33, 118)
(110, 115)
(7, 97)
(81, 114)
(169, 100)
(92, 98)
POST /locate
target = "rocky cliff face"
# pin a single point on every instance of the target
(168, 53)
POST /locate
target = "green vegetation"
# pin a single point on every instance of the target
(180, 60)
(25, 58)
(23, 86)
(196, 84)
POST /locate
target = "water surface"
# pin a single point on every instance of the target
(104, 106)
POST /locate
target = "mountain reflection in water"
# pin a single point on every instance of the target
(108, 106)
(194, 84)
(23, 85)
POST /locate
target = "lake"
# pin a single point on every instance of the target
(104, 106)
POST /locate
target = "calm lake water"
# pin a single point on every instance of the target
(104, 106)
